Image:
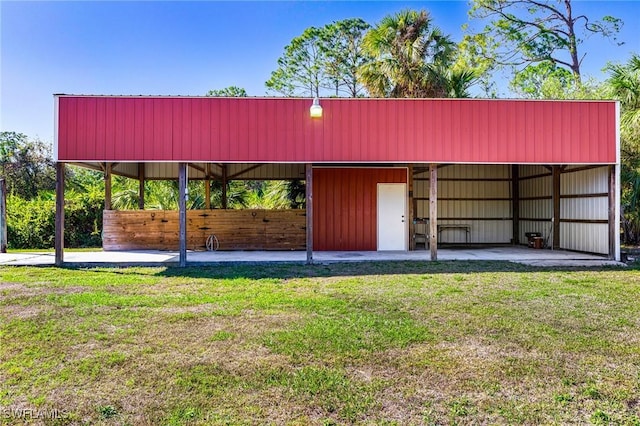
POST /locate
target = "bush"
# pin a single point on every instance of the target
(31, 223)
(83, 219)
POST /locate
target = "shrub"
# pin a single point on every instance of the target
(83, 219)
(31, 223)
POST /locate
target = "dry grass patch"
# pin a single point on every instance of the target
(380, 343)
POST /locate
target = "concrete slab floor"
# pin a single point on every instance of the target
(518, 254)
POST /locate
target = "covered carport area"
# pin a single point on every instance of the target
(379, 173)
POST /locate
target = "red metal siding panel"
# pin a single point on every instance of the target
(138, 130)
(260, 138)
(605, 127)
(352, 130)
(147, 128)
(506, 138)
(110, 129)
(67, 133)
(204, 148)
(118, 143)
(82, 137)
(129, 130)
(100, 142)
(195, 128)
(240, 112)
(585, 114)
(177, 145)
(344, 206)
(207, 131)
(221, 147)
(355, 135)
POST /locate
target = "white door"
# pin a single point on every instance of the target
(392, 216)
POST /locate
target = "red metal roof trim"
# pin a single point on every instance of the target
(109, 128)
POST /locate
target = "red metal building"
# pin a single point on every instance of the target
(489, 170)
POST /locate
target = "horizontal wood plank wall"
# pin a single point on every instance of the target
(345, 206)
(235, 229)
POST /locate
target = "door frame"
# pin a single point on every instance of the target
(405, 232)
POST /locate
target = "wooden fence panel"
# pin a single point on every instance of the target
(235, 229)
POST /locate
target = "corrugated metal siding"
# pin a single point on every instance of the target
(351, 130)
(496, 228)
(584, 208)
(536, 209)
(590, 237)
(235, 171)
(161, 170)
(126, 169)
(266, 171)
(345, 206)
(585, 181)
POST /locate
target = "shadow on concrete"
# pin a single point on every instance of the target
(284, 271)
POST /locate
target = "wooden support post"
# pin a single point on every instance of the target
(556, 171)
(59, 235)
(207, 194)
(309, 208)
(141, 186)
(207, 187)
(412, 212)
(433, 210)
(224, 186)
(182, 212)
(613, 232)
(515, 202)
(3, 216)
(107, 186)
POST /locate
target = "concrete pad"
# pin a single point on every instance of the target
(36, 258)
(247, 257)
(518, 254)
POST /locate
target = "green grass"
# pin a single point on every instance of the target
(377, 343)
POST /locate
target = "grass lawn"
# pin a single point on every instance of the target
(377, 343)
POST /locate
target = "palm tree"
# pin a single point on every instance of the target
(412, 59)
(624, 85)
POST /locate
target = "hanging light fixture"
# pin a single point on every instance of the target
(316, 110)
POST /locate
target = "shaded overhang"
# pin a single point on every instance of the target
(150, 170)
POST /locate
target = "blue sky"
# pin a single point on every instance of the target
(188, 48)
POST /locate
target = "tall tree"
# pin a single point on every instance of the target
(412, 58)
(525, 32)
(542, 80)
(300, 70)
(322, 61)
(341, 44)
(624, 83)
(228, 92)
(26, 165)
